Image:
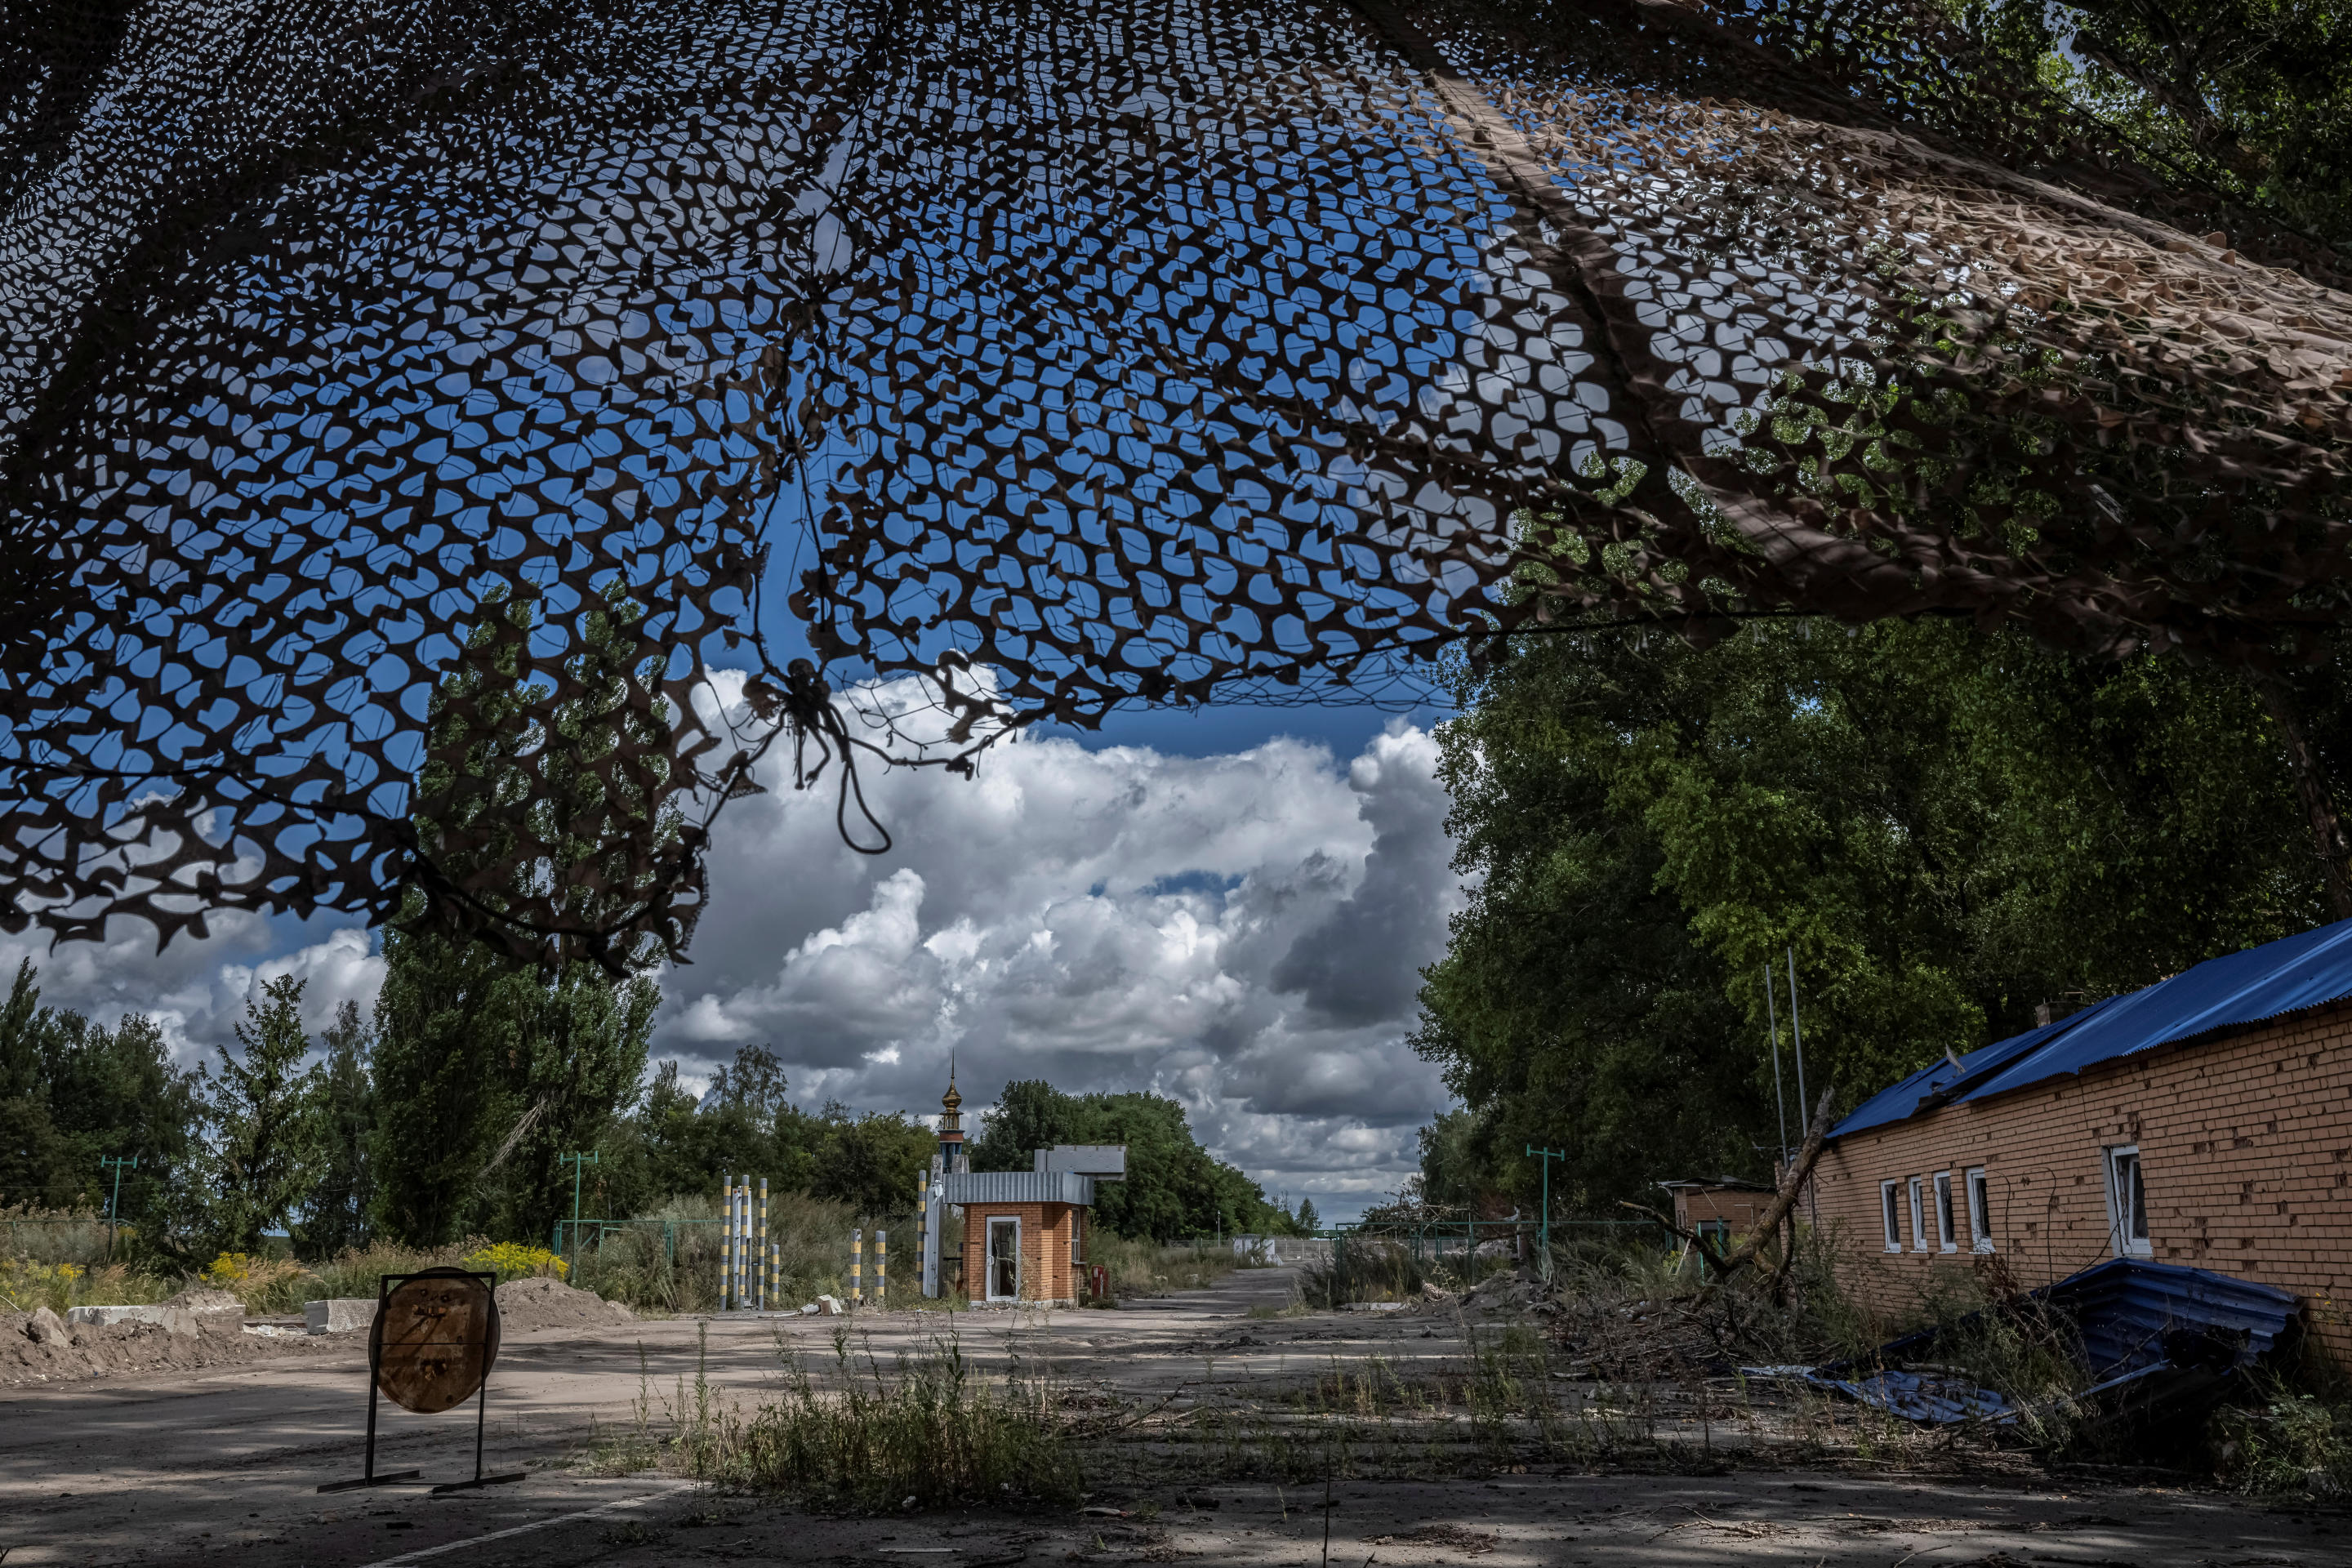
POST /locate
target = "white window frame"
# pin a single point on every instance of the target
(2120, 1202)
(988, 1257)
(1918, 1213)
(1979, 1192)
(1946, 1222)
(1890, 1212)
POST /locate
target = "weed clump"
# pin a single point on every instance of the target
(927, 1432)
(2286, 1442)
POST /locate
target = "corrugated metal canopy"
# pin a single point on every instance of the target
(1017, 1187)
(2289, 975)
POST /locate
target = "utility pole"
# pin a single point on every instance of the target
(1797, 1035)
(576, 1160)
(1779, 1099)
(1543, 1224)
(114, 1205)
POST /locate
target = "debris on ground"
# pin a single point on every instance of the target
(1509, 1293)
(1470, 1543)
(2148, 1337)
(171, 1319)
(41, 1347)
(339, 1314)
(528, 1305)
(207, 1303)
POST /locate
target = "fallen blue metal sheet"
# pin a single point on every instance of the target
(2289, 975)
(1940, 1401)
(2146, 1334)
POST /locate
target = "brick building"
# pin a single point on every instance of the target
(1721, 1208)
(1023, 1232)
(2206, 1120)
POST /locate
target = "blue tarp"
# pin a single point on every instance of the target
(2242, 988)
(2141, 1328)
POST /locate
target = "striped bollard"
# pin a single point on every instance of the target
(726, 1237)
(881, 1268)
(759, 1250)
(857, 1266)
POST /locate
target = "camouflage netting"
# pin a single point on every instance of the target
(402, 402)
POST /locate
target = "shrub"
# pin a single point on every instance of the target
(2289, 1443)
(355, 1271)
(515, 1260)
(931, 1433)
(265, 1285)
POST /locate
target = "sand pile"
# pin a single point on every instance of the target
(37, 1348)
(527, 1306)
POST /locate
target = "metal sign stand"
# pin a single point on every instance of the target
(384, 1285)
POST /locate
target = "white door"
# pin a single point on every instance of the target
(1005, 1258)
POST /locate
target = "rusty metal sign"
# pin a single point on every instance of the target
(430, 1348)
(434, 1339)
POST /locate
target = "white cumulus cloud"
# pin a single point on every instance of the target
(1242, 932)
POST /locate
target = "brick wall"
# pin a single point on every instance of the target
(1044, 1249)
(1732, 1207)
(2245, 1150)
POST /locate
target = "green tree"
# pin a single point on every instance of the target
(342, 1188)
(35, 1165)
(72, 1091)
(485, 1072)
(1953, 832)
(447, 1019)
(870, 1161)
(1173, 1187)
(260, 1112)
(580, 1050)
(1308, 1221)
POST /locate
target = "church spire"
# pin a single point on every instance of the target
(951, 1153)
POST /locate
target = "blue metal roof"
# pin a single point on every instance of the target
(2232, 992)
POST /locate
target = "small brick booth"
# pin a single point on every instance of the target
(1023, 1251)
(2206, 1120)
(1025, 1232)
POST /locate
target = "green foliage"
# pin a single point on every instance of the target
(258, 1112)
(485, 1072)
(71, 1092)
(1173, 1188)
(1951, 830)
(335, 1214)
(2289, 1441)
(930, 1431)
(2254, 96)
(674, 1144)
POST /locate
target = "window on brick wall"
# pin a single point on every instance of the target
(2127, 1203)
(1947, 1228)
(1918, 1215)
(1979, 1209)
(1890, 1207)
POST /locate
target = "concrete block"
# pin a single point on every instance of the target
(342, 1315)
(172, 1318)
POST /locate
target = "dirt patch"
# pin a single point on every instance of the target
(92, 1350)
(527, 1306)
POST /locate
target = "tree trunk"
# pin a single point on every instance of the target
(2327, 837)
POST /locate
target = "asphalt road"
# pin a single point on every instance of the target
(224, 1466)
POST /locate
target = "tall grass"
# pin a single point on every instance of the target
(1360, 1269)
(926, 1431)
(1141, 1268)
(26, 1286)
(52, 1237)
(669, 1260)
